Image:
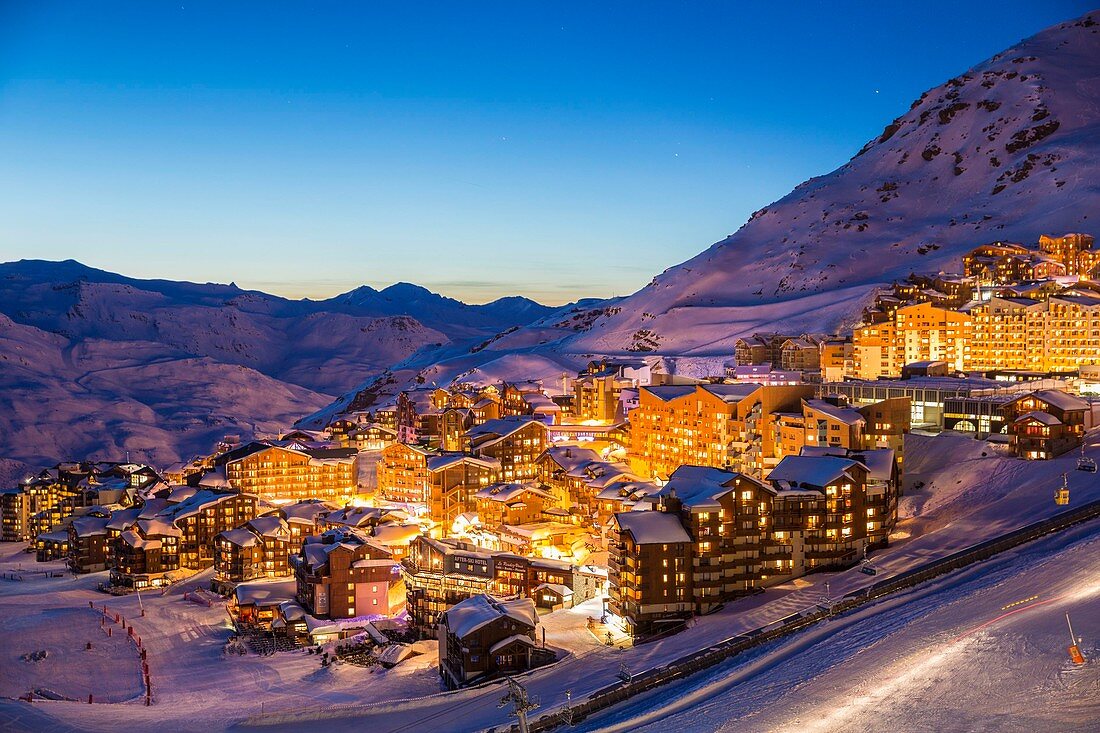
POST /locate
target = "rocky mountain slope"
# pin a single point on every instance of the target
(1005, 151)
(93, 363)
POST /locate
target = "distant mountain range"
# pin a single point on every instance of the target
(96, 364)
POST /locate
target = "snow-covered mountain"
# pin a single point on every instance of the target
(94, 363)
(1005, 151)
(1008, 150)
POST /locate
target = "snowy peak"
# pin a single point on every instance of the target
(1007, 150)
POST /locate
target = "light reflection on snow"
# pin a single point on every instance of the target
(916, 667)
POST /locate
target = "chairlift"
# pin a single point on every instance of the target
(1084, 463)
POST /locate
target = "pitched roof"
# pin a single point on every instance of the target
(1041, 417)
(810, 471)
(652, 527)
(469, 615)
(698, 486)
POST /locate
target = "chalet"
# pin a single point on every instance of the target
(1046, 423)
(145, 553)
(513, 442)
(482, 638)
(371, 437)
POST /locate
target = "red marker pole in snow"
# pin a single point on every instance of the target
(1074, 651)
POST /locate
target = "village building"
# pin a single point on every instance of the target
(513, 443)
(345, 574)
(718, 425)
(88, 545)
(481, 638)
(760, 348)
(292, 472)
(440, 573)
(1046, 423)
(259, 548)
(714, 535)
(516, 503)
(145, 553)
(402, 472)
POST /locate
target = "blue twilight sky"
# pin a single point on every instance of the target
(550, 149)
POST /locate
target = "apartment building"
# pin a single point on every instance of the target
(292, 472)
(1058, 334)
(259, 548)
(1073, 251)
(345, 574)
(513, 443)
(919, 332)
(402, 472)
(716, 534)
(718, 425)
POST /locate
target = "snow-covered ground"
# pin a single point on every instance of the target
(965, 498)
(961, 654)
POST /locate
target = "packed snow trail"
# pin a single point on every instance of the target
(955, 654)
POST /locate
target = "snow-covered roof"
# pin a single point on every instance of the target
(270, 525)
(508, 641)
(570, 457)
(810, 471)
(215, 478)
(124, 518)
(879, 461)
(652, 527)
(447, 460)
(181, 493)
(698, 486)
(306, 511)
(562, 590)
(395, 534)
(1040, 417)
(133, 539)
(265, 592)
(90, 526)
(1059, 399)
(355, 516)
(469, 615)
(506, 493)
(158, 527)
(241, 537)
(846, 415)
(195, 504)
(491, 432)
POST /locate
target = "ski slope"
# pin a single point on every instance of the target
(985, 649)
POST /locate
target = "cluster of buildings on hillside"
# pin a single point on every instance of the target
(1012, 308)
(470, 509)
